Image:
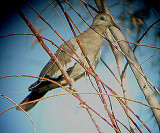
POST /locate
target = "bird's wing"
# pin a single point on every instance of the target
(51, 70)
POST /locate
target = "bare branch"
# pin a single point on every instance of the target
(148, 92)
(21, 109)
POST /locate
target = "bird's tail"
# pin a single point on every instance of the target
(31, 97)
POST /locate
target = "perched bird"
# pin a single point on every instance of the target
(91, 41)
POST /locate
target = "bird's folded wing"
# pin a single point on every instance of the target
(51, 69)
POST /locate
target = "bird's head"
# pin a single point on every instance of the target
(103, 20)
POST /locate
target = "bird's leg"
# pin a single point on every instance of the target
(64, 83)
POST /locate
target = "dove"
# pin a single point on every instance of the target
(91, 42)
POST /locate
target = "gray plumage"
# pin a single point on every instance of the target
(91, 41)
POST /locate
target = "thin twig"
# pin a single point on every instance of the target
(124, 71)
(85, 55)
(94, 121)
(46, 48)
(21, 109)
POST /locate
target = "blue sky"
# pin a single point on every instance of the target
(62, 113)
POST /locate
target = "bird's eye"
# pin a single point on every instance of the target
(102, 18)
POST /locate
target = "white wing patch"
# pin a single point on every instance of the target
(79, 52)
(72, 62)
(69, 64)
(57, 74)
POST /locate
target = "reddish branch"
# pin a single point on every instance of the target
(74, 92)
